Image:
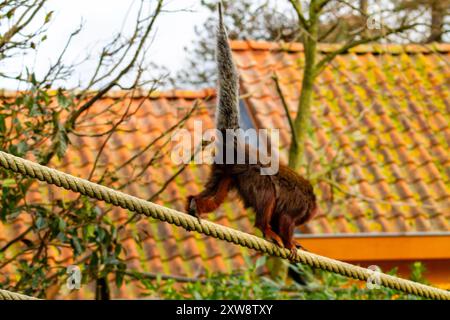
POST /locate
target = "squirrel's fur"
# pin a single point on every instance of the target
(280, 201)
(227, 113)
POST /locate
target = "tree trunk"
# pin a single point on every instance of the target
(363, 7)
(303, 119)
(438, 10)
(102, 289)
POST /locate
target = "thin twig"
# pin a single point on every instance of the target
(286, 109)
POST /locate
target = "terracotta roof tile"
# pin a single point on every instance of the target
(397, 97)
(164, 248)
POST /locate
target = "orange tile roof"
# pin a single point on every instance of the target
(400, 153)
(387, 108)
(165, 248)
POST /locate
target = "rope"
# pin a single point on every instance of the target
(8, 295)
(190, 223)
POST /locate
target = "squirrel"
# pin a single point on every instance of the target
(280, 201)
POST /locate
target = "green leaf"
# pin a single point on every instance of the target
(100, 234)
(40, 223)
(22, 148)
(89, 232)
(106, 219)
(32, 76)
(2, 123)
(118, 249)
(8, 182)
(112, 261)
(48, 16)
(260, 262)
(10, 13)
(63, 101)
(61, 224)
(62, 237)
(94, 261)
(119, 278)
(77, 245)
(34, 110)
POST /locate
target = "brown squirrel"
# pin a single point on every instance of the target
(281, 201)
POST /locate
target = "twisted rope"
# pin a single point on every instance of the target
(8, 295)
(190, 223)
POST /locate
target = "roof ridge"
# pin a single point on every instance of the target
(139, 93)
(392, 48)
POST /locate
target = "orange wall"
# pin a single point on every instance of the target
(388, 252)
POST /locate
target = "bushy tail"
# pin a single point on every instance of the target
(227, 113)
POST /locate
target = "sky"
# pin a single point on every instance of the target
(102, 18)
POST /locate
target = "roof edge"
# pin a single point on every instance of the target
(139, 93)
(240, 45)
(372, 235)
